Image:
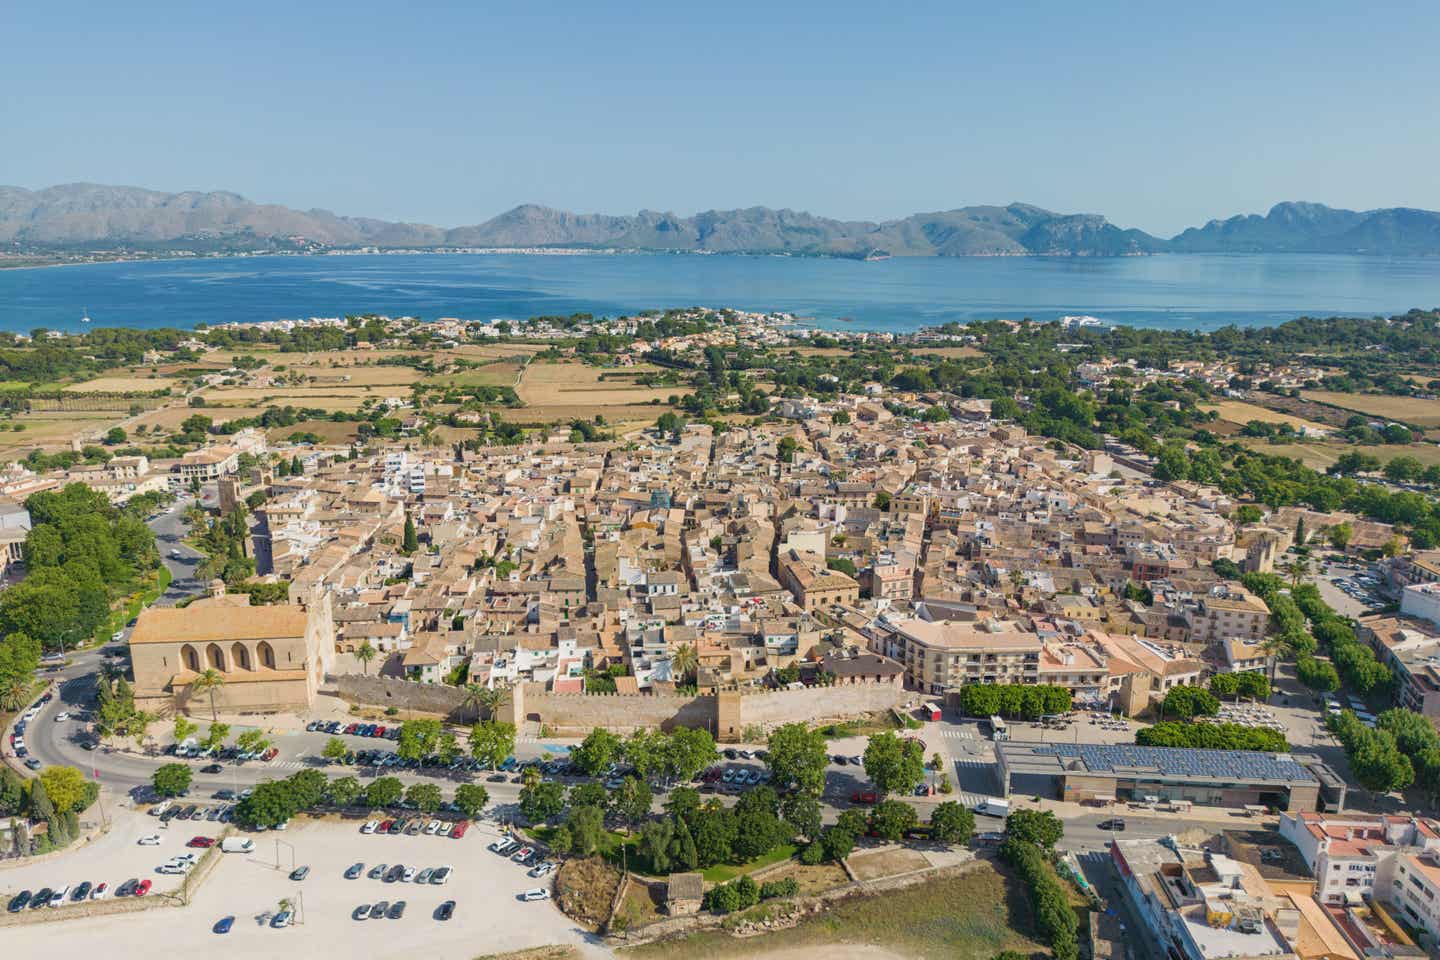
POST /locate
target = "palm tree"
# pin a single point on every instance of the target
(14, 694)
(1274, 646)
(365, 653)
(208, 682)
(685, 661)
(490, 699)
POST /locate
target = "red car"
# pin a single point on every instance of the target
(865, 796)
(352, 728)
(270, 754)
(460, 829)
(385, 826)
(201, 842)
(378, 732)
(143, 888)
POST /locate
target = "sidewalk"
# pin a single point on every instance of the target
(1197, 814)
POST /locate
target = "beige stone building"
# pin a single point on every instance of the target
(272, 658)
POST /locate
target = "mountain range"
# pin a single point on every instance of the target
(93, 217)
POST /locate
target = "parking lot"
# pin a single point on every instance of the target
(489, 914)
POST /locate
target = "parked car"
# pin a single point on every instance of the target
(299, 873)
(1116, 823)
(356, 869)
(446, 910)
(459, 829)
(41, 898)
(397, 910)
(82, 892)
(864, 796)
(536, 893)
(19, 902)
(281, 920)
(100, 892)
(441, 875)
(149, 840)
(377, 912)
(224, 924)
(142, 888)
(378, 871)
(201, 843)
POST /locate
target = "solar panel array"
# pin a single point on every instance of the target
(1180, 761)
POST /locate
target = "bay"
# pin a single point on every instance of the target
(1194, 291)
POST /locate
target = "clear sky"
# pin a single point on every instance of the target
(449, 113)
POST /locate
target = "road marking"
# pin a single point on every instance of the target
(961, 734)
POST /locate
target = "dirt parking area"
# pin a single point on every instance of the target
(489, 917)
(886, 863)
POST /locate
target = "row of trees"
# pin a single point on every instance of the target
(1212, 736)
(1375, 757)
(1235, 685)
(678, 755)
(1030, 838)
(1022, 701)
(273, 802)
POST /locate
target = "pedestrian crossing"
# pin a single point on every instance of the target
(958, 733)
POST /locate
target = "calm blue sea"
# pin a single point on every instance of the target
(1194, 291)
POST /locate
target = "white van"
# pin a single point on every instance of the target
(237, 845)
(994, 808)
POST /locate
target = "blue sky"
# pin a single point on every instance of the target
(452, 113)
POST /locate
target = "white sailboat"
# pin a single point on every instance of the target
(85, 316)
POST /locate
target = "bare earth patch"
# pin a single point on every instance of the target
(886, 863)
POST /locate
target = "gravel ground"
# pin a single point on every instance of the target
(488, 918)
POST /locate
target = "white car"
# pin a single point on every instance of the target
(100, 892)
(441, 874)
(445, 829)
(536, 893)
(149, 840)
(370, 826)
(432, 827)
(408, 875)
(61, 717)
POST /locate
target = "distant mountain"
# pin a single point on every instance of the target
(1316, 228)
(93, 217)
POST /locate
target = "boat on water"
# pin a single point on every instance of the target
(85, 316)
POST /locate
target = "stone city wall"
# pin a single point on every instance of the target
(372, 691)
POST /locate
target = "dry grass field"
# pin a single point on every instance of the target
(1425, 413)
(168, 418)
(123, 384)
(491, 375)
(322, 397)
(575, 384)
(327, 430)
(52, 431)
(1320, 456)
(493, 351)
(1240, 412)
(950, 353)
(619, 417)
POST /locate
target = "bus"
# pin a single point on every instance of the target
(998, 730)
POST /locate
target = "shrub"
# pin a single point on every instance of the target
(786, 887)
(813, 853)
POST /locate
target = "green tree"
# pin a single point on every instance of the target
(596, 752)
(631, 800)
(1041, 828)
(335, 749)
(798, 755)
(384, 792)
(541, 801)
(216, 736)
(183, 727)
(891, 819)
(952, 823)
(893, 765)
(69, 791)
(1340, 535)
(656, 839)
(425, 797)
(471, 798)
(307, 789)
(417, 739)
(171, 780)
(881, 501)
(803, 813)
(342, 792)
(252, 741)
(271, 803)
(1185, 702)
(410, 542)
(586, 826)
(491, 742)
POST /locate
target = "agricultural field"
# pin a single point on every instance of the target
(949, 353)
(500, 374)
(1321, 455)
(325, 397)
(549, 385)
(52, 431)
(328, 431)
(1239, 412)
(493, 351)
(123, 384)
(1424, 413)
(620, 418)
(168, 419)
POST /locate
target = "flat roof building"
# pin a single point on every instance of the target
(1222, 778)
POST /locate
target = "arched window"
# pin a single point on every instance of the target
(215, 657)
(267, 655)
(189, 658)
(240, 657)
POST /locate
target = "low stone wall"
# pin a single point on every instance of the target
(576, 714)
(776, 707)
